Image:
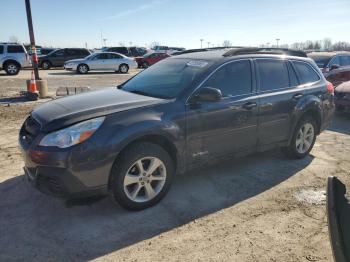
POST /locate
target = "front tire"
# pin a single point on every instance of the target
(145, 65)
(45, 65)
(82, 69)
(142, 176)
(303, 139)
(12, 68)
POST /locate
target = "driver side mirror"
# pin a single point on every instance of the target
(207, 94)
(334, 66)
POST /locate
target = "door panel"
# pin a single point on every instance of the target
(276, 100)
(230, 125)
(219, 128)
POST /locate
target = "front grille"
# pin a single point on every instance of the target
(50, 185)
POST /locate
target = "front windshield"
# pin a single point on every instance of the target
(321, 61)
(167, 78)
(90, 56)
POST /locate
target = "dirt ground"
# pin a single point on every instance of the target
(263, 207)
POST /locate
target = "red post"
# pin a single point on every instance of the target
(32, 40)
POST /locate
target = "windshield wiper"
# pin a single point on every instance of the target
(138, 92)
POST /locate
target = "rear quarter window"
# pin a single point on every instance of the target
(15, 49)
(305, 73)
(1, 49)
(273, 74)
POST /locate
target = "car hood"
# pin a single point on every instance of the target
(343, 88)
(66, 111)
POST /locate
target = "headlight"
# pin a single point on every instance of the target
(72, 135)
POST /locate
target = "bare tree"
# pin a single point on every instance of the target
(327, 44)
(226, 43)
(341, 46)
(121, 43)
(153, 44)
(13, 39)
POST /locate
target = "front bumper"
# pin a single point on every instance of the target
(70, 67)
(68, 173)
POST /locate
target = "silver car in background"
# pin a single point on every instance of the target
(13, 57)
(101, 61)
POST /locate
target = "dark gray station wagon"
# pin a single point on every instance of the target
(182, 112)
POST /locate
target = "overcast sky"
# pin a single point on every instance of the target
(72, 23)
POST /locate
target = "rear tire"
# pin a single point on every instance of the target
(142, 176)
(303, 139)
(145, 65)
(123, 68)
(12, 68)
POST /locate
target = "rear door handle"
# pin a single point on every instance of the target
(249, 105)
(298, 96)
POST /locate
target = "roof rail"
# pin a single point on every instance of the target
(264, 50)
(11, 43)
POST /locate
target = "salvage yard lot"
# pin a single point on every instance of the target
(263, 207)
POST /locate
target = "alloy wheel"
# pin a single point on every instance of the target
(145, 179)
(83, 69)
(305, 138)
(123, 69)
(12, 69)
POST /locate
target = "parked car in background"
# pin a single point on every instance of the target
(150, 59)
(46, 50)
(168, 50)
(13, 57)
(127, 51)
(101, 61)
(342, 97)
(334, 65)
(182, 112)
(60, 56)
(120, 50)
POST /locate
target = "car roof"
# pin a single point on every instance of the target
(221, 55)
(327, 54)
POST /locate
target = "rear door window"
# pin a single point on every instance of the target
(1, 49)
(273, 74)
(305, 72)
(115, 56)
(232, 79)
(15, 49)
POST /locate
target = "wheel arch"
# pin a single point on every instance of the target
(158, 139)
(10, 61)
(83, 64)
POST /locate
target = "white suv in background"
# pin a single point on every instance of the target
(13, 57)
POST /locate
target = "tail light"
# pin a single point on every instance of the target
(330, 88)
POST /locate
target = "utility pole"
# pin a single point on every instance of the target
(202, 42)
(277, 39)
(104, 41)
(32, 40)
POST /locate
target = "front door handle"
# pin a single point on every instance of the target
(249, 105)
(298, 96)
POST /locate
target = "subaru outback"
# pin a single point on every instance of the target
(182, 112)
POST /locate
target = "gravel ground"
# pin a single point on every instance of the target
(262, 207)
